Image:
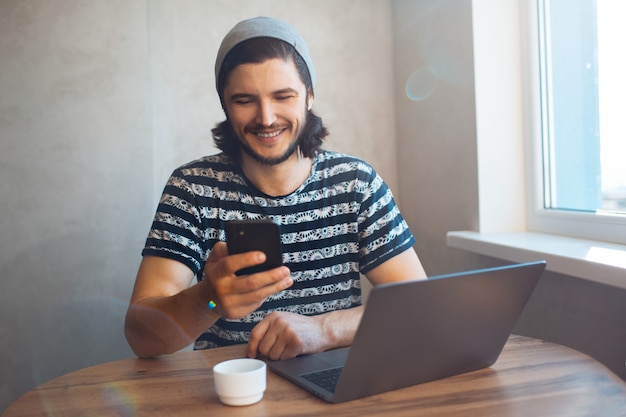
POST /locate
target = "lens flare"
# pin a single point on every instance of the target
(119, 400)
(421, 84)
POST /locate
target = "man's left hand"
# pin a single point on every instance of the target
(283, 335)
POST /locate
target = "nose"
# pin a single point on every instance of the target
(266, 114)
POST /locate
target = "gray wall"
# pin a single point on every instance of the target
(99, 101)
(437, 133)
(75, 169)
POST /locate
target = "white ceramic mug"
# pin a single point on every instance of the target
(240, 381)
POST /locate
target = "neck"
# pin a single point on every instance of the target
(277, 180)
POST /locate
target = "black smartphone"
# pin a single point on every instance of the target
(249, 235)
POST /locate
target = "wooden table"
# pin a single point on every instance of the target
(531, 378)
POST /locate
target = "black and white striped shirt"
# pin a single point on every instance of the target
(340, 222)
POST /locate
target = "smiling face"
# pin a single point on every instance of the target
(267, 104)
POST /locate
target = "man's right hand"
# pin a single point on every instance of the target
(166, 313)
(238, 295)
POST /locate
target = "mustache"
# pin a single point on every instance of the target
(258, 127)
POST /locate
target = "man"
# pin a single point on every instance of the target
(338, 219)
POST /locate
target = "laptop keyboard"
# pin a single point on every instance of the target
(326, 378)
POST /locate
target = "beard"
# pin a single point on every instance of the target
(293, 147)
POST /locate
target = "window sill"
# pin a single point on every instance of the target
(591, 260)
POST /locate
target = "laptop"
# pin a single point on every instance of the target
(418, 331)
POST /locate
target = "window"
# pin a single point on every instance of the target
(579, 158)
(518, 105)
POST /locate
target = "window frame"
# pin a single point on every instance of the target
(599, 226)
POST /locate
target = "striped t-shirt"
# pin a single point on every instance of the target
(340, 222)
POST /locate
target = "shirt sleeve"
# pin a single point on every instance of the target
(383, 232)
(177, 232)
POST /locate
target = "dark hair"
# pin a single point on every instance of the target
(259, 50)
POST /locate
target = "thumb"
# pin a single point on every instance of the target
(219, 251)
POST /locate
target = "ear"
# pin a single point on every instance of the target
(310, 100)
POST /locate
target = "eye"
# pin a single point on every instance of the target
(242, 99)
(242, 102)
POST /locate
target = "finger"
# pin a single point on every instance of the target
(234, 263)
(271, 344)
(256, 335)
(226, 264)
(278, 350)
(271, 281)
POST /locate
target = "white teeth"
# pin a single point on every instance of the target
(268, 135)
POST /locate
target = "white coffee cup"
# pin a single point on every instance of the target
(240, 381)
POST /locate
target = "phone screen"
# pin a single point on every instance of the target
(250, 235)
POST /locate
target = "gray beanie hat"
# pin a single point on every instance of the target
(263, 27)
